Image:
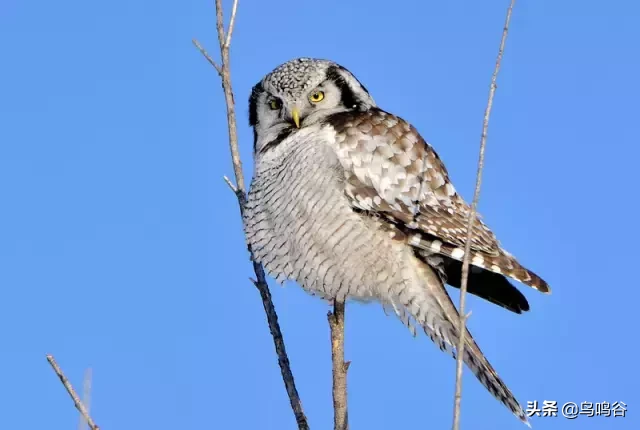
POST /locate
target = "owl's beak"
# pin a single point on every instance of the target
(295, 115)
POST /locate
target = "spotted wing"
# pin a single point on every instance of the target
(392, 171)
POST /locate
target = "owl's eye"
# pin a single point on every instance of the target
(316, 97)
(275, 104)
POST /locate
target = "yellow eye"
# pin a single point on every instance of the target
(274, 104)
(316, 97)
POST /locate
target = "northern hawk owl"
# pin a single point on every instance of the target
(351, 202)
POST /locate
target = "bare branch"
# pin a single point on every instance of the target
(228, 95)
(340, 367)
(207, 56)
(239, 189)
(74, 396)
(278, 340)
(472, 217)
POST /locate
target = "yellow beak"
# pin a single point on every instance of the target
(295, 114)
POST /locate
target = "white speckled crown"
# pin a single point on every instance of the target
(296, 76)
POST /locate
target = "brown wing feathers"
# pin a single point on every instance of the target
(389, 167)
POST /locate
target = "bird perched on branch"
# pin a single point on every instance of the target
(350, 201)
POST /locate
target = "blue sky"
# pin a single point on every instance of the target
(121, 247)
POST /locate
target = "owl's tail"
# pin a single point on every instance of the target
(432, 309)
(480, 366)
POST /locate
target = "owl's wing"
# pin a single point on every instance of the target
(392, 171)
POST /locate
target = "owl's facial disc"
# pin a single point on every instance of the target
(300, 93)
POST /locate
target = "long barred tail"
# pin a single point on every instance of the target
(486, 374)
(432, 309)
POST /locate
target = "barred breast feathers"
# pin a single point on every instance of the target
(302, 227)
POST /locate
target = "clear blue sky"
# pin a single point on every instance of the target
(121, 247)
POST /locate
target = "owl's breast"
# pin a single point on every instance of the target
(301, 225)
(292, 188)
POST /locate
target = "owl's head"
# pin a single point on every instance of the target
(302, 92)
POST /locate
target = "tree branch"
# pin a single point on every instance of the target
(74, 396)
(340, 367)
(472, 216)
(239, 189)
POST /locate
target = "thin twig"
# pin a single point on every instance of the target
(239, 189)
(74, 396)
(207, 56)
(86, 398)
(340, 367)
(230, 184)
(232, 23)
(471, 220)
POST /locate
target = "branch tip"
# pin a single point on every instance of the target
(72, 393)
(230, 184)
(232, 22)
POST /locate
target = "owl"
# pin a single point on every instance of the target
(350, 202)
